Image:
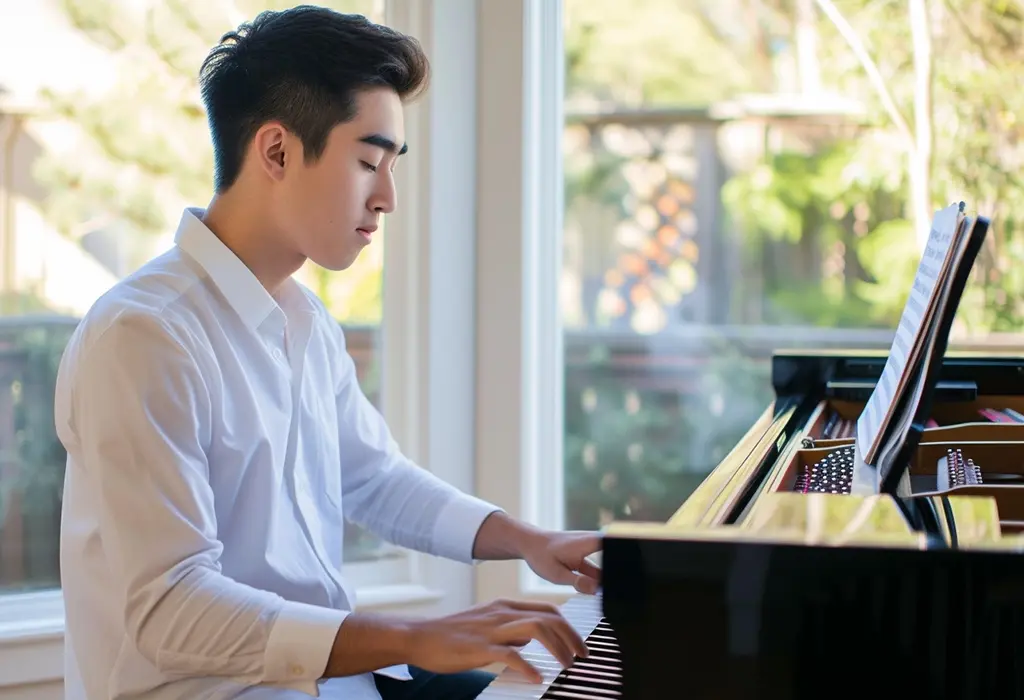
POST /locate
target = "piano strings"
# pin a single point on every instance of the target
(1006, 415)
(837, 427)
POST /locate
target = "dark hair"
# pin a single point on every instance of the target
(304, 67)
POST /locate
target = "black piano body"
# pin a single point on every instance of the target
(756, 589)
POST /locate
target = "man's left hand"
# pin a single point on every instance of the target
(560, 557)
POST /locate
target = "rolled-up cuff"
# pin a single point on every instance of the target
(300, 644)
(457, 525)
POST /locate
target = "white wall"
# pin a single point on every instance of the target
(36, 691)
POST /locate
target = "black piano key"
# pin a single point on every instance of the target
(604, 681)
(584, 671)
(597, 677)
(584, 690)
(572, 694)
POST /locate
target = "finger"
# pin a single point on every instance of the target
(511, 658)
(572, 637)
(532, 606)
(562, 576)
(589, 570)
(554, 634)
(586, 584)
(569, 635)
(535, 629)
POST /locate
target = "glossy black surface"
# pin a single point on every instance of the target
(729, 620)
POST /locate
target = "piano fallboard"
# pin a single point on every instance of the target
(735, 619)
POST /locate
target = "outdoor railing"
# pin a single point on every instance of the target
(646, 418)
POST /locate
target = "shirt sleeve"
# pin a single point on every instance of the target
(386, 493)
(138, 424)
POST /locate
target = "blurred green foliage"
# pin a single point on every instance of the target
(144, 150)
(822, 227)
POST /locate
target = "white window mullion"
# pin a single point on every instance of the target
(402, 385)
(519, 334)
(429, 279)
(543, 188)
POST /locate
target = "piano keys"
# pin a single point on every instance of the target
(597, 676)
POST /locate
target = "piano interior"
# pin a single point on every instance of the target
(968, 448)
(774, 581)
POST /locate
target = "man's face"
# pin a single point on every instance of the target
(331, 208)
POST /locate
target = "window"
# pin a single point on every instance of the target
(749, 188)
(101, 148)
(743, 190)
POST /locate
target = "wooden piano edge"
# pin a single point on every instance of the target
(833, 520)
(716, 496)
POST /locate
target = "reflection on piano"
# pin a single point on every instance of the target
(756, 590)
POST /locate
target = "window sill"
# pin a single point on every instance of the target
(32, 628)
(31, 638)
(29, 618)
(396, 595)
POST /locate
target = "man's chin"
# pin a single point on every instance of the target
(336, 263)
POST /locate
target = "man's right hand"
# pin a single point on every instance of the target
(490, 633)
(466, 640)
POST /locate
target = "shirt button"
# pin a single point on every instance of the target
(277, 354)
(296, 670)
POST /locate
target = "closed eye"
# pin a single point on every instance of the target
(371, 168)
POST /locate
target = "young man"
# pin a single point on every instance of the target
(217, 437)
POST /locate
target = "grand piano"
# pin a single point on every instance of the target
(796, 571)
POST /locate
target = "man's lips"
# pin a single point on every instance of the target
(366, 232)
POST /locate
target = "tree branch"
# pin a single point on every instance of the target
(974, 38)
(921, 161)
(868, 64)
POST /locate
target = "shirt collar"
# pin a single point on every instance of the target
(244, 293)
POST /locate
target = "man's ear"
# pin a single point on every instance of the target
(270, 147)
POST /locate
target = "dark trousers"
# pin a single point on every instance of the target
(433, 686)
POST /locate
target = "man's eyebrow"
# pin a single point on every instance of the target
(385, 143)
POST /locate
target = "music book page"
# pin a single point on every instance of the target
(906, 409)
(935, 262)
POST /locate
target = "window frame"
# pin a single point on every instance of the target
(428, 346)
(519, 325)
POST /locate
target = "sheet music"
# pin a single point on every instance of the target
(914, 322)
(888, 451)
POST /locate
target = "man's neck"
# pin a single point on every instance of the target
(244, 230)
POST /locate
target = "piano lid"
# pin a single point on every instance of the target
(892, 422)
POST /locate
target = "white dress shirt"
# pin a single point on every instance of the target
(217, 440)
